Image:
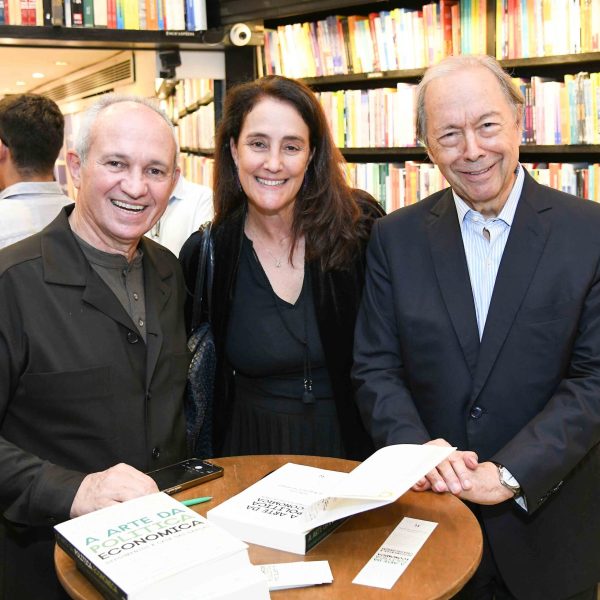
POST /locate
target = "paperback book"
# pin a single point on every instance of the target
(155, 548)
(296, 506)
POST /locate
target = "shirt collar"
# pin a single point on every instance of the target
(108, 259)
(507, 214)
(31, 187)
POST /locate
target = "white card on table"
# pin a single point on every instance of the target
(395, 554)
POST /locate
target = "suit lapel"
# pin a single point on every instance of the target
(450, 264)
(522, 253)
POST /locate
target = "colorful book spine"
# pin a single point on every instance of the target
(131, 14)
(77, 13)
(120, 14)
(111, 14)
(88, 13)
(160, 12)
(151, 15)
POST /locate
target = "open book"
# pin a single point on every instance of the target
(296, 506)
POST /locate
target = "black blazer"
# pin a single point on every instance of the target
(336, 296)
(527, 396)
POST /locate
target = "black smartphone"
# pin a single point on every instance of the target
(184, 474)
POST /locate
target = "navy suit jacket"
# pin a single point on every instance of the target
(527, 396)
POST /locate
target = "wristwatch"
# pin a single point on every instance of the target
(508, 481)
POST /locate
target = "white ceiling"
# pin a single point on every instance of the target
(17, 64)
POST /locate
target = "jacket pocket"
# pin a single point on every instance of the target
(71, 404)
(546, 314)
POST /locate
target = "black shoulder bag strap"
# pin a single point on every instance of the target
(204, 277)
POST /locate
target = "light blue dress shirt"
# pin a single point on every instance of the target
(484, 241)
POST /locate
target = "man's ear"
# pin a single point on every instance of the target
(74, 164)
(176, 175)
(520, 118)
(4, 151)
(429, 155)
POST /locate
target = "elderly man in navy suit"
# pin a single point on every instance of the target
(480, 328)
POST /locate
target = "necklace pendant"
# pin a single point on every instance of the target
(278, 264)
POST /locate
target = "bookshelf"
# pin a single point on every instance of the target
(194, 105)
(295, 34)
(141, 15)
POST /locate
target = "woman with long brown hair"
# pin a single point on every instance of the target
(289, 238)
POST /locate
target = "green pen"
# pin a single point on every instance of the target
(194, 501)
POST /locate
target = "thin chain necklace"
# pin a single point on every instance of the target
(278, 260)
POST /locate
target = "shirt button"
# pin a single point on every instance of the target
(156, 452)
(141, 322)
(132, 337)
(136, 296)
(476, 412)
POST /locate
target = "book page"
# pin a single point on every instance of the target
(379, 480)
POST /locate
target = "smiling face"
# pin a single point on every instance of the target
(473, 135)
(126, 181)
(272, 155)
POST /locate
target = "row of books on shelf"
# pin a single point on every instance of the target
(198, 169)
(154, 15)
(382, 41)
(400, 184)
(375, 118)
(556, 112)
(197, 130)
(187, 95)
(526, 28)
(561, 112)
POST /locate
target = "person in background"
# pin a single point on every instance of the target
(480, 328)
(189, 207)
(289, 238)
(31, 136)
(93, 355)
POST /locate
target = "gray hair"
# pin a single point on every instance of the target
(83, 138)
(452, 64)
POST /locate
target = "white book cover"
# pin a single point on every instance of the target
(292, 508)
(200, 17)
(100, 13)
(153, 548)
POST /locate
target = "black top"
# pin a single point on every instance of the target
(335, 295)
(266, 345)
(266, 334)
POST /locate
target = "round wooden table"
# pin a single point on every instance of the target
(443, 565)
